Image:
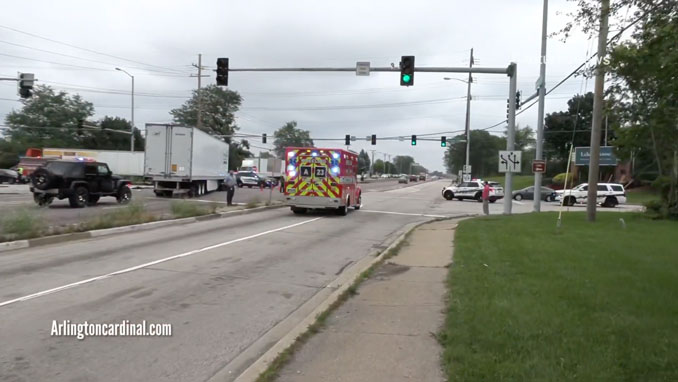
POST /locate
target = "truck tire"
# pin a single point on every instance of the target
(42, 200)
(124, 195)
(79, 198)
(360, 201)
(343, 210)
(42, 179)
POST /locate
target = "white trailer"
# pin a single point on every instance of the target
(270, 167)
(125, 163)
(184, 160)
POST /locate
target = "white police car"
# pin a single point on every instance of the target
(608, 195)
(473, 190)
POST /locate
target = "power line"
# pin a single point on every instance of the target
(85, 49)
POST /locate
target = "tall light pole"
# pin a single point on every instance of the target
(539, 152)
(131, 136)
(468, 109)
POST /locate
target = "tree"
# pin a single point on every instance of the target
(265, 154)
(237, 152)
(105, 139)
(390, 168)
(403, 164)
(483, 153)
(290, 136)
(49, 118)
(378, 166)
(646, 85)
(363, 162)
(218, 111)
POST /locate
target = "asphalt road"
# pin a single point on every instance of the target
(61, 214)
(223, 285)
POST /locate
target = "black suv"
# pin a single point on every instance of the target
(83, 183)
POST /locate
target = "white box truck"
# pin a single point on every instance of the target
(126, 163)
(184, 160)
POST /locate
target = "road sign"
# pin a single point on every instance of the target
(466, 178)
(362, 68)
(539, 165)
(466, 169)
(582, 156)
(509, 161)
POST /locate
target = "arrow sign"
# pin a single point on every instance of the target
(510, 161)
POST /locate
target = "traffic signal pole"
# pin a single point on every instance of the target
(468, 113)
(511, 136)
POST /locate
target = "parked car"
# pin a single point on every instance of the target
(8, 176)
(473, 190)
(414, 178)
(527, 193)
(82, 183)
(608, 195)
(404, 179)
(252, 179)
(422, 177)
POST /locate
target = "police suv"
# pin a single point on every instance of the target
(473, 190)
(608, 195)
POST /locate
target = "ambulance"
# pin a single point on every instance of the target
(319, 178)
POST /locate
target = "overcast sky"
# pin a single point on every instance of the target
(157, 41)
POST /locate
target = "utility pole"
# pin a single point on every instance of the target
(131, 137)
(372, 164)
(598, 99)
(539, 154)
(468, 112)
(199, 66)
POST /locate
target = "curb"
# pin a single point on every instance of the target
(54, 239)
(341, 284)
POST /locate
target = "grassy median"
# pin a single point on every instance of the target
(593, 302)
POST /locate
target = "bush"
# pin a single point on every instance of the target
(254, 202)
(560, 179)
(185, 209)
(658, 209)
(23, 223)
(133, 213)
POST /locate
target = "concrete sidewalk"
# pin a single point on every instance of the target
(386, 332)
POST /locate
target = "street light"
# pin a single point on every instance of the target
(455, 79)
(131, 136)
(468, 112)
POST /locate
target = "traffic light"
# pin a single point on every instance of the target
(374, 139)
(348, 140)
(508, 107)
(443, 141)
(26, 81)
(407, 71)
(222, 71)
(517, 100)
(414, 140)
(263, 138)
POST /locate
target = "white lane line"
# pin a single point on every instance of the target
(517, 202)
(137, 267)
(402, 213)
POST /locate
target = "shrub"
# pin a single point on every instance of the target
(560, 179)
(185, 209)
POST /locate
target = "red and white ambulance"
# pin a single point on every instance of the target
(319, 178)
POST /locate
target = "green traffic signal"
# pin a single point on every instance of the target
(407, 78)
(414, 140)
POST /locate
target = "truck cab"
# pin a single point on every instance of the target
(321, 178)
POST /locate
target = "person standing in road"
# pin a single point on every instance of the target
(229, 182)
(486, 198)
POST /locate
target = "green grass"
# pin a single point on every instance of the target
(641, 195)
(595, 302)
(22, 223)
(133, 213)
(519, 181)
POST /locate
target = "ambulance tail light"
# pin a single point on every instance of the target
(290, 154)
(335, 170)
(292, 174)
(290, 167)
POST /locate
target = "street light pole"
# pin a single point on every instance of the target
(131, 136)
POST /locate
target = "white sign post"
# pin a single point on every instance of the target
(362, 68)
(467, 169)
(509, 161)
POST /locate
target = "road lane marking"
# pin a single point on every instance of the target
(137, 267)
(402, 213)
(517, 202)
